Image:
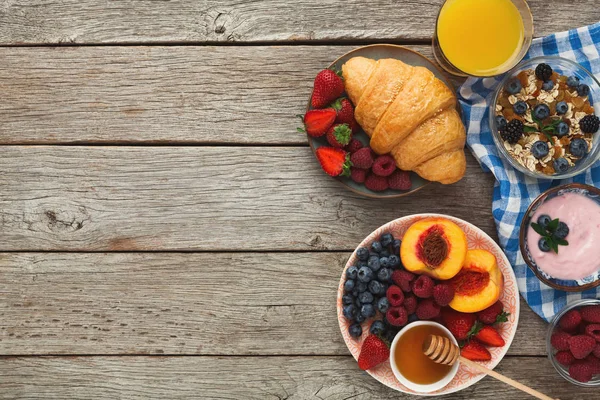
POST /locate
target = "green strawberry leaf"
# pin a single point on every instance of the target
(502, 317)
(300, 130)
(475, 329)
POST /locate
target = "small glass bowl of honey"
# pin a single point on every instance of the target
(411, 366)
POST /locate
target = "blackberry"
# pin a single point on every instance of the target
(513, 131)
(589, 124)
(543, 72)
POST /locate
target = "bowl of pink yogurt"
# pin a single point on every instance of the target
(560, 237)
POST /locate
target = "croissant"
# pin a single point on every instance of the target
(409, 113)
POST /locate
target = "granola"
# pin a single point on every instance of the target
(534, 92)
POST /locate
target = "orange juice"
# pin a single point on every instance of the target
(480, 37)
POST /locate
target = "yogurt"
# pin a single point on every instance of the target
(581, 258)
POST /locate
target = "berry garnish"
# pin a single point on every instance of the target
(544, 220)
(513, 131)
(561, 165)
(543, 72)
(573, 82)
(501, 122)
(334, 161)
(541, 111)
(589, 124)
(543, 245)
(539, 149)
(317, 122)
(583, 90)
(520, 107)
(562, 231)
(562, 129)
(549, 234)
(548, 85)
(561, 107)
(514, 86)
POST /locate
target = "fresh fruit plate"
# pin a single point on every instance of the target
(324, 130)
(482, 316)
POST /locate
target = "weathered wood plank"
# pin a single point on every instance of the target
(73, 21)
(158, 94)
(182, 303)
(243, 378)
(201, 198)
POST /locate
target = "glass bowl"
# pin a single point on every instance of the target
(564, 371)
(560, 284)
(564, 67)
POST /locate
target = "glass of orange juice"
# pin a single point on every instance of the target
(482, 37)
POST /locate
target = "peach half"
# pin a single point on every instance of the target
(435, 247)
(478, 284)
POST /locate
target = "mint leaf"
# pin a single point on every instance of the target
(538, 228)
(552, 225)
(561, 242)
(529, 129)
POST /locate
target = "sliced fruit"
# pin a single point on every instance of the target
(475, 351)
(434, 246)
(489, 336)
(478, 284)
(318, 122)
(334, 161)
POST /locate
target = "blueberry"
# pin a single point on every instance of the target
(349, 285)
(376, 247)
(583, 90)
(562, 129)
(384, 253)
(386, 239)
(355, 292)
(365, 274)
(355, 330)
(362, 254)
(544, 220)
(365, 297)
(359, 319)
(352, 272)
(384, 275)
(362, 264)
(501, 122)
(396, 246)
(539, 149)
(561, 107)
(562, 231)
(514, 86)
(349, 311)
(520, 107)
(377, 328)
(548, 85)
(573, 81)
(374, 263)
(347, 299)
(384, 262)
(361, 287)
(394, 261)
(561, 165)
(541, 111)
(390, 335)
(376, 288)
(383, 305)
(413, 318)
(543, 245)
(578, 147)
(367, 310)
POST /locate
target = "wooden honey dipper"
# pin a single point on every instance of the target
(443, 351)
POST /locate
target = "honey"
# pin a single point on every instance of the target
(410, 360)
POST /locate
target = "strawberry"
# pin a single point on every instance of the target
(488, 335)
(459, 324)
(328, 86)
(493, 314)
(334, 161)
(318, 122)
(339, 135)
(475, 351)
(345, 113)
(373, 352)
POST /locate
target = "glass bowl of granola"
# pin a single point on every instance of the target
(543, 118)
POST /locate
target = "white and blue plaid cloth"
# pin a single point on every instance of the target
(513, 191)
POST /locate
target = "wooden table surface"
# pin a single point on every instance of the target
(165, 233)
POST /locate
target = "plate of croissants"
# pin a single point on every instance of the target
(385, 122)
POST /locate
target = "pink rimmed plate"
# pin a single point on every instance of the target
(477, 239)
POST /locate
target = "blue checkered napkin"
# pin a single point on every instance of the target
(513, 191)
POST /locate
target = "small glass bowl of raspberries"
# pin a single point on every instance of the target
(573, 342)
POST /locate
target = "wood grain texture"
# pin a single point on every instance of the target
(159, 94)
(264, 378)
(182, 303)
(128, 21)
(201, 198)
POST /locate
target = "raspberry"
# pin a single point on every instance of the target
(560, 340)
(581, 371)
(443, 294)
(423, 287)
(591, 314)
(376, 183)
(410, 304)
(570, 321)
(397, 316)
(564, 358)
(403, 279)
(593, 330)
(596, 351)
(594, 362)
(354, 146)
(362, 158)
(493, 314)
(399, 180)
(427, 309)
(358, 175)
(395, 296)
(384, 165)
(581, 346)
